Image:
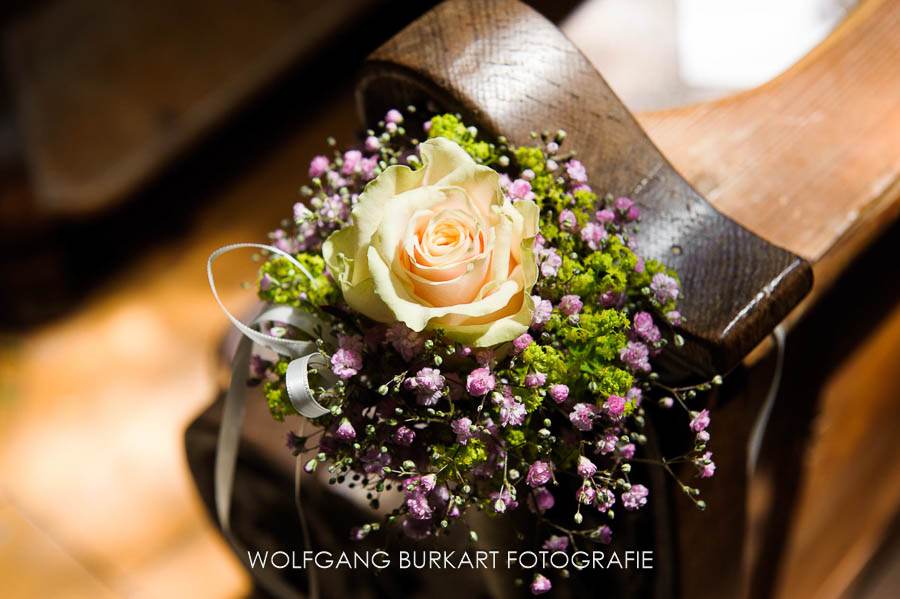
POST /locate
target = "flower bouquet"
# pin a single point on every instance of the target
(469, 325)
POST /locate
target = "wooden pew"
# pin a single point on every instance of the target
(808, 162)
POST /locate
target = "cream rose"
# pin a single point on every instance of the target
(440, 247)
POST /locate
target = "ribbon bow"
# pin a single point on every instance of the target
(306, 357)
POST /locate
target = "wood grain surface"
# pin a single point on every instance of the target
(811, 160)
(512, 72)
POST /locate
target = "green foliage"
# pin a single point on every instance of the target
(630, 407)
(290, 285)
(546, 359)
(277, 399)
(613, 380)
(532, 399)
(532, 158)
(515, 437)
(598, 335)
(449, 126)
(464, 457)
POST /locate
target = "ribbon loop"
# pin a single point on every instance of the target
(304, 351)
(297, 382)
(306, 356)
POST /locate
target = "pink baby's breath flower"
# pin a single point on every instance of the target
(520, 189)
(283, 242)
(586, 468)
(570, 304)
(485, 357)
(503, 501)
(664, 287)
(372, 143)
(462, 428)
(540, 585)
(576, 171)
(318, 166)
(615, 405)
(480, 382)
(636, 356)
(550, 262)
(393, 116)
(586, 495)
(609, 299)
(522, 341)
(345, 363)
(607, 444)
(582, 416)
(543, 309)
(627, 451)
(538, 474)
(644, 327)
(559, 393)
(429, 379)
(345, 430)
(334, 208)
(426, 483)
(541, 500)
(418, 506)
(367, 167)
(428, 398)
(567, 221)
(556, 543)
(266, 282)
(627, 209)
(512, 412)
(605, 499)
(604, 534)
(605, 216)
(335, 180)
(351, 160)
(635, 498)
(707, 466)
(635, 394)
(535, 379)
(700, 421)
(593, 235)
(404, 436)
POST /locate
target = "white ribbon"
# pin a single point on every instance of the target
(305, 356)
(304, 352)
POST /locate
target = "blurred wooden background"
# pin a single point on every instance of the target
(111, 334)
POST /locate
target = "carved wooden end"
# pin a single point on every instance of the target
(511, 72)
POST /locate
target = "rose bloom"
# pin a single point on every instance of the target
(440, 247)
